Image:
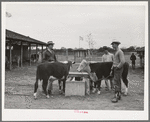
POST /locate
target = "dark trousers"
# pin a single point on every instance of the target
(117, 79)
(133, 64)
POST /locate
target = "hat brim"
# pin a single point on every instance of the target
(51, 44)
(115, 43)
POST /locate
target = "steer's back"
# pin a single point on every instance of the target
(56, 69)
(101, 69)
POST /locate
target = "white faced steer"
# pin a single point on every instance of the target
(102, 70)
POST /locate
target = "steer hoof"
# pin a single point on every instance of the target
(94, 90)
(99, 92)
(35, 96)
(47, 96)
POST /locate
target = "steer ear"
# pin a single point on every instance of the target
(73, 62)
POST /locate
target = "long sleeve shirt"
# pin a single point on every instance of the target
(119, 59)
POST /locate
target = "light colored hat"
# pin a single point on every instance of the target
(115, 42)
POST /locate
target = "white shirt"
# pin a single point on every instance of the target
(108, 57)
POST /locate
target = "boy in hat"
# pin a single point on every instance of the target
(108, 57)
(118, 62)
(49, 54)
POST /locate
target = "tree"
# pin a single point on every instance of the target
(90, 41)
(131, 48)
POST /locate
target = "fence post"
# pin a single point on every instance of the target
(10, 56)
(30, 54)
(21, 56)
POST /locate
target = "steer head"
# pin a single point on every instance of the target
(84, 67)
(69, 64)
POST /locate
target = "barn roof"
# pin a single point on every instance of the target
(16, 36)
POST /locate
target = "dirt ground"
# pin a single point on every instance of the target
(19, 87)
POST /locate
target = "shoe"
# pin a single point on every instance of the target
(116, 97)
(114, 100)
(99, 92)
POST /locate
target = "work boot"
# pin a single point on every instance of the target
(116, 97)
(114, 100)
(119, 96)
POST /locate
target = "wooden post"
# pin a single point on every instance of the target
(10, 56)
(30, 54)
(74, 56)
(21, 55)
(42, 53)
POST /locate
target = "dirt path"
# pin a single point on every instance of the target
(19, 85)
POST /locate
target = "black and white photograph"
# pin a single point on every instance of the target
(74, 60)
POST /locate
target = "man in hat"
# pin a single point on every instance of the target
(117, 67)
(49, 54)
(108, 57)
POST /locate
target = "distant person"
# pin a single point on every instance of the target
(108, 57)
(49, 54)
(133, 58)
(117, 67)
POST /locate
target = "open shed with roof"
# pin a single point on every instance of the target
(19, 46)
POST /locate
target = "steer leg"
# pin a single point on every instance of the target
(94, 88)
(125, 81)
(59, 82)
(64, 85)
(124, 77)
(49, 87)
(44, 86)
(99, 87)
(35, 89)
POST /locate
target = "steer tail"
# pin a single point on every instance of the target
(36, 82)
(125, 73)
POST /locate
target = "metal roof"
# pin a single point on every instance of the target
(16, 36)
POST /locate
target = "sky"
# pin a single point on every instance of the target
(64, 22)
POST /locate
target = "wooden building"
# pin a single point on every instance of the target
(18, 47)
(80, 54)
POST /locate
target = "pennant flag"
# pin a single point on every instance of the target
(81, 38)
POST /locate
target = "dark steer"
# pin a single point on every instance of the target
(102, 70)
(48, 72)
